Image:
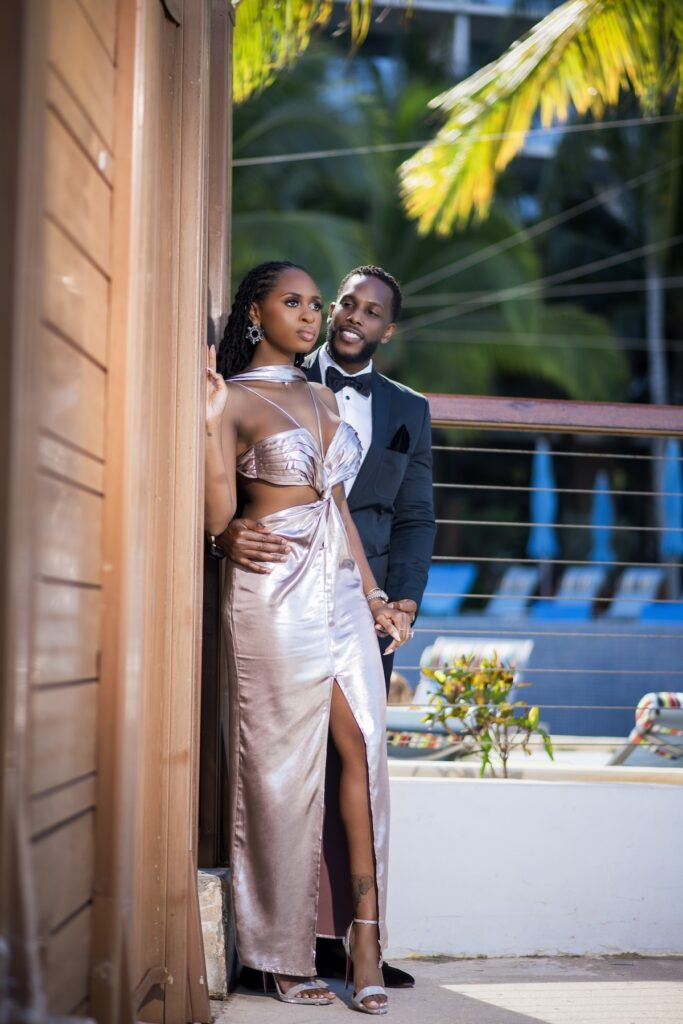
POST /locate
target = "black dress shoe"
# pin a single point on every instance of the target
(330, 962)
(250, 978)
(394, 977)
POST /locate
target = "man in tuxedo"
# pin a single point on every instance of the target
(390, 499)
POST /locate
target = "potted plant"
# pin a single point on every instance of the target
(475, 693)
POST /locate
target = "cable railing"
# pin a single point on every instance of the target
(559, 546)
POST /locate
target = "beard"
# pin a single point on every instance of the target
(364, 354)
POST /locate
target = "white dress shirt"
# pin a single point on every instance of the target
(353, 407)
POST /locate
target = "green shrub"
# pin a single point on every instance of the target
(476, 693)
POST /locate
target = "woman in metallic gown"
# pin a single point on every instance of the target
(303, 661)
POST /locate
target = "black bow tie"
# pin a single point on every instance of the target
(336, 381)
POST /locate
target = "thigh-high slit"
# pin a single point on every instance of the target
(290, 635)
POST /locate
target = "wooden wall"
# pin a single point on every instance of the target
(103, 538)
(69, 390)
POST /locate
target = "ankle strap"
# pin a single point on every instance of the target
(363, 920)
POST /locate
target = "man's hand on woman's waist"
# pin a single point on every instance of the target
(249, 544)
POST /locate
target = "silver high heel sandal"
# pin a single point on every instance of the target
(294, 994)
(369, 990)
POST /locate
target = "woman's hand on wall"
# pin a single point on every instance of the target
(216, 392)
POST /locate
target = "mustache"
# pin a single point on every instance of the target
(366, 352)
(335, 329)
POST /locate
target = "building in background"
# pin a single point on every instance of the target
(465, 34)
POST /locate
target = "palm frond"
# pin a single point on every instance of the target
(580, 57)
(672, 72)
(270, 35)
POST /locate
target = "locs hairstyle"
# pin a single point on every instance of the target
(235, 351)
(381, 275)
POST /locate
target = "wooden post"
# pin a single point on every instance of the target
(111, 985)
(22, 87)
(187, 547)
(146, 947)
(220, 189)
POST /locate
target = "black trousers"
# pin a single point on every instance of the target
(387, 660)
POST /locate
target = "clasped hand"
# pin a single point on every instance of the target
(391, 620)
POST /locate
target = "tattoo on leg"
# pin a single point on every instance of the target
(362, 884)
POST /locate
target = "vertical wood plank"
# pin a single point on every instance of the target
(123, 877)
(64, 856)
(67, 633)
(66, 964)
(22, 72)
(76, 295)
(62, 102)
(69, 538)
(66, 462)
(188, 517)
(63, 735)
(53, 807)
(158, 319)
(72, 403)
(76, 195)
(218, 270)
(79, 56)
(102, 14)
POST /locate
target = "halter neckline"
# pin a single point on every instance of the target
(278, 373)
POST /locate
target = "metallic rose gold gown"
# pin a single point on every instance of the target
(289, 636)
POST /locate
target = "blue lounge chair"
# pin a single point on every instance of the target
(667, 611)
(447, 585)
(518, 584)
(575, 596)
(636, 589)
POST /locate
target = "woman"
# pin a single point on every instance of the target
(303, 658)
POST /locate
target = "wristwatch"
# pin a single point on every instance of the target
(375, 594)
(212, 548)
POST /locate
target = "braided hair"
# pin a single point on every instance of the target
(381, 275)
(236, 351)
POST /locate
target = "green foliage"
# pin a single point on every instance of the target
(271, 34)
(475, 693)
(492, 343)
(332, 214)
(583, 56)
(327, 243)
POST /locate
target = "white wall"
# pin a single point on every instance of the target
(519, 867)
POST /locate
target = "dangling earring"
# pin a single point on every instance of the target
(255, 334)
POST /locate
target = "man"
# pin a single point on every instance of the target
(391, 497)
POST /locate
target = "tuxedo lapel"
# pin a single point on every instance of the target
(312, 367)
(382, 422)
(381, 428)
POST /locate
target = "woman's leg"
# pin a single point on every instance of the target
(357, 817)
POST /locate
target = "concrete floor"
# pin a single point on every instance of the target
(538, 990)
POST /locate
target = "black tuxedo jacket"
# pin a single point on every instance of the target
(391, 499)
